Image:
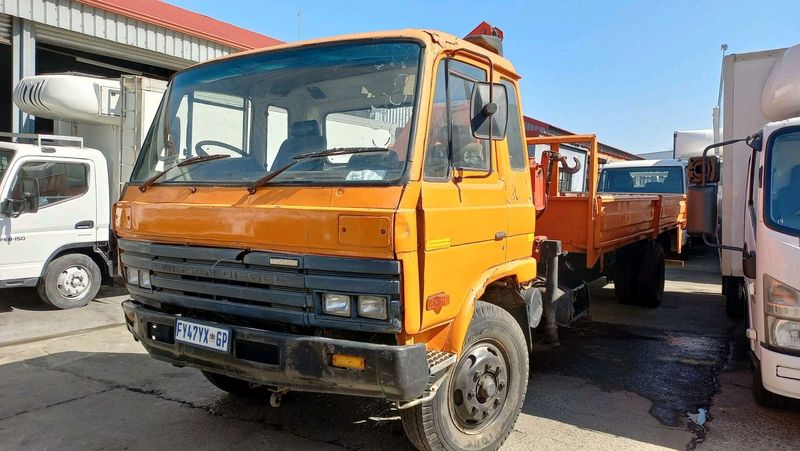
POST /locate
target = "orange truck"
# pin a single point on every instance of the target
(353, 215)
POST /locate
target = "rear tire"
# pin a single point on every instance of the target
(70, 281)
(625, 274)
(236, 387)
(650, 289)
(477, 406)
(735, 297)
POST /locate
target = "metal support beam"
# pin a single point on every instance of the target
(23, 48)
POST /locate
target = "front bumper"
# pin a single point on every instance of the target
(780, 373)
(303, 363)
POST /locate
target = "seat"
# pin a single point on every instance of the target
(304, 137)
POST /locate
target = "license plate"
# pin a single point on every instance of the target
(203, 335)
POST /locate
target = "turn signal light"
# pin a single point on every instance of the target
(436, 301)
(348, 361)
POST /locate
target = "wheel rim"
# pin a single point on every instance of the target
(73, 282)
(479, 387)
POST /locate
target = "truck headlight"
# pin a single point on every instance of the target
(132, 274)
(336, 304)
(780, 299)
(372, 307)
(784, 333)
(144, 279)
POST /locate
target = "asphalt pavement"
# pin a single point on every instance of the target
(626, 378)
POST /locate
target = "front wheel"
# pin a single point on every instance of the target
(764, 397)
(236, 387)
(477, 407)
(70, 281)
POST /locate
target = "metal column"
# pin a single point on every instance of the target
(23, 48)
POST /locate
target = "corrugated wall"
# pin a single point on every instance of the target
(72, 24)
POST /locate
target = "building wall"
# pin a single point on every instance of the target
(29, 25)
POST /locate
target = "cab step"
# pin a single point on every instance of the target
(438, 364)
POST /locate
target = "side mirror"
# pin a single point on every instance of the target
(27, 189)
(701, 210)
(30, 194)
(489, 118)
(695, 168)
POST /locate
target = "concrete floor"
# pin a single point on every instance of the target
(623, 379)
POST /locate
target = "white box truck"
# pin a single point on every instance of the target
(760, 225)
(56, 191)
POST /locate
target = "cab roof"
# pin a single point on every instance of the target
(646, 163)
(434, 41)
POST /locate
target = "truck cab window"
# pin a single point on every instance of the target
(783, 182)
(5, 162)
(277, 131)
(58, 182)
(450, 132)
(514, 136)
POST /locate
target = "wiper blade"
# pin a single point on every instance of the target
(340, 151)
(304, 156)
(189, 161)
(264, 180)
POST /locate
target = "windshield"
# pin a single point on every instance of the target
(5, 162)
(265, 109)
(651, 179)
(783, 182)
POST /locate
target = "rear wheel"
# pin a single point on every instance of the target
(735, 297)
(234, 386)
(650, 289)
(476, 408)
(625, 274)
(70, 281)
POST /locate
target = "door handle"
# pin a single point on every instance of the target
(499, 236)
(85, 225)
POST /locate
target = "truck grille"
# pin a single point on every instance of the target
(261, 285)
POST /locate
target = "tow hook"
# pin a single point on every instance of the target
(277, 395)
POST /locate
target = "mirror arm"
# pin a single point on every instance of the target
(723, 246)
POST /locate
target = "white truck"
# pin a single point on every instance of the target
(760, 225)
(667, 176)
(691, 143)
(56, 191)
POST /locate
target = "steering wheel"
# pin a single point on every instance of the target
(198, 148)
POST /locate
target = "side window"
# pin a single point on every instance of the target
(450, 132)
(436, 154)
(514, 136)
(58, 182)
(277, 131)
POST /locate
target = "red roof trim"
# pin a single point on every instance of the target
(174, 18)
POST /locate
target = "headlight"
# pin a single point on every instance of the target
(144, 279)
(372, 307)
(132, 275)
(336, 304)
(780, 299)
(784, 333)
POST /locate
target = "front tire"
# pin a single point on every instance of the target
(764, 397)
(234, 386)
(70, 281)
(477, 407)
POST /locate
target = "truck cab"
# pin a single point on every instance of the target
(772, 244)
(54, 219)
(349, 215)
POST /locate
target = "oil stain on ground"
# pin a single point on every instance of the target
(676, 372)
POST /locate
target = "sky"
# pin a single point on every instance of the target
(631, 72)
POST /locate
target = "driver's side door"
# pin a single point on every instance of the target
(67, 215)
